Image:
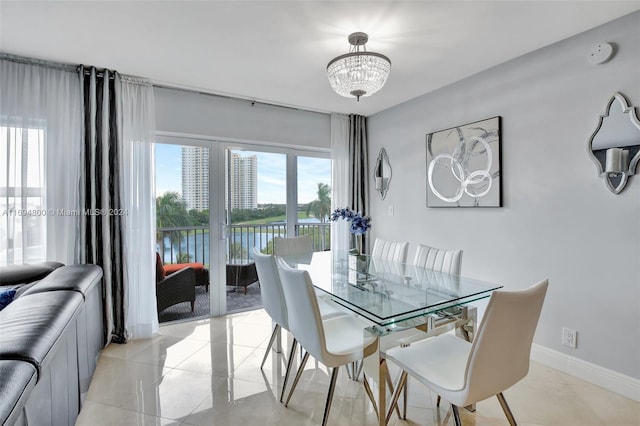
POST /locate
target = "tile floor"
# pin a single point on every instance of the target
(207, 372)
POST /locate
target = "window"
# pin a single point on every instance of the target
(22, 202)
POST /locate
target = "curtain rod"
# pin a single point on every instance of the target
(38, 62)
(234, 98)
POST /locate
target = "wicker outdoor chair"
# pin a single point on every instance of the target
(175, 288)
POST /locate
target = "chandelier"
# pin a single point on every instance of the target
(358, 73)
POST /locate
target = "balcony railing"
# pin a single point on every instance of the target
(191, 243)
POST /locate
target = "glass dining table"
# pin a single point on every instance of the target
(402, 303)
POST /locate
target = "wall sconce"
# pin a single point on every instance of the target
(382, 173)
(615, 144)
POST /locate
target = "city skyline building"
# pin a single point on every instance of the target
(243, 182)
(195, 177)
(243, 185)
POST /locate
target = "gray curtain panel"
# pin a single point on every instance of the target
(101, 239)
(359, 168)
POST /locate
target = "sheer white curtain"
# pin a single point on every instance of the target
(340, 179)
(40, 145)
(138, 129)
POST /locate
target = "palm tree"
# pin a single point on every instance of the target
(171, 211)
(321, 207)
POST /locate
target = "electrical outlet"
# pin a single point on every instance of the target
(390, 210)
(569, 337)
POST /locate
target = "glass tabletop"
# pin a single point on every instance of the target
(386, 292)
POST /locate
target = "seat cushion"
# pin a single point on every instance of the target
(17, 379)
(175, 267)
(440, 362)
(80, 278)
(32, 325)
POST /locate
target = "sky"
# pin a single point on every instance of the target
(271, 174)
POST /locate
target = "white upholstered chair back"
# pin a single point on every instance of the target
(270, 288)
(390, 250)
(298, 248)
(304, 313)
(500, 353)
(449, 261)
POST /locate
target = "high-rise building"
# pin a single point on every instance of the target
(195, 177)
(243, 182)
(243, 186)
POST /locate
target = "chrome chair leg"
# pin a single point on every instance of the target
(273, 338)
(405, 398)
(332, 388)
(391, 389)
(297, 378)
(367, 389)
(394, 401)
(361, 362)
(506, 409)
(292, 355)
(438, 401)
(456, 415)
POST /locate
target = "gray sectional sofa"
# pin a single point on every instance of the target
(50, 338)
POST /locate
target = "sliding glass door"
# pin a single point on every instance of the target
(183, 229)
(217, 200)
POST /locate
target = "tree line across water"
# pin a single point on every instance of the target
(171, 211)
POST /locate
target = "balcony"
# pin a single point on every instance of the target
(191, 244)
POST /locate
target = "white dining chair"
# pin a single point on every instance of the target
(333, 342)
(449, 261)
(300, 247)
(275, 305)
(390, 250)
(465, 373)
(272, 297)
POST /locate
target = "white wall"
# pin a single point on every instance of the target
(194, 113)
(558, 219)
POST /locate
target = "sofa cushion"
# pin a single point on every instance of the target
(80, 278)
(6, 297)
(32, 325)
(17, 379)
(26, 273)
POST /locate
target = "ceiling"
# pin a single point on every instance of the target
(277, 51)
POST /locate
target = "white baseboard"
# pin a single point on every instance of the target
(624, 385)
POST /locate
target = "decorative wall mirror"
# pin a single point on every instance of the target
(615, 144)
(382, 173)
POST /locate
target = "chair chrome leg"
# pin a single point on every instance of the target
(292, 355)
(438, 401)
(297, 378)
(506, 409)
(361, 364)
(273, 338)
(367, 389)
(348, 370)
(391, 390)
(332, 388)
(394, 400)
(456, 415)
(406, 396)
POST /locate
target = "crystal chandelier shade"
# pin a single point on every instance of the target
(358, 73)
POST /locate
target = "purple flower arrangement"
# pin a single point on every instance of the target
(359, 224)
